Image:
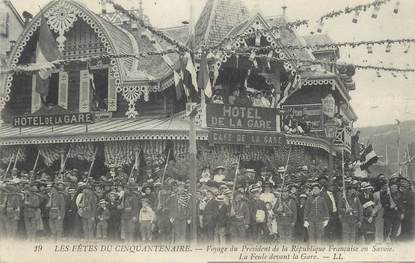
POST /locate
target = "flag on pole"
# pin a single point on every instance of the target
(293, 85)
(178, 82)
(189, 73)
(368, 158)
(46, 52)
(204, 78)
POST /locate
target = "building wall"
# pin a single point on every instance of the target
(14, 29)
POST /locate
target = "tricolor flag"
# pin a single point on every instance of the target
(46, 52)
(189, 73)
(204, 78)
(293, 85)
(368, 157)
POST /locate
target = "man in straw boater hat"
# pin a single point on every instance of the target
(209, 213)
(350, 213)
(103, 214)
(258, 228)
(316, 214)
(87, 209)
(57, 209)
(130, 207)
(180, 213)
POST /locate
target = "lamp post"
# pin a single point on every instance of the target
(330, 128)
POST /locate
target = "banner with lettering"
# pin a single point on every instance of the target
(242, 117)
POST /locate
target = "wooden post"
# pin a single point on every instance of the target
(193, 176)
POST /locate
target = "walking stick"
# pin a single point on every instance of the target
(36, 161)
(236, 174)
(165, 166)
(8, 166)
(15, 161)
(286, 167)
(348, 209)
(92, 163)
(136, 164)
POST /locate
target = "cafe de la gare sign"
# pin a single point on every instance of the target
(222, 136)
(52, 120)
(240, 117)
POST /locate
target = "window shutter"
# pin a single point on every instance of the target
(63, 90)
(36, 102)
(112, 92)
(84, 91)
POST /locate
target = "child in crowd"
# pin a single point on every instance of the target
(146, 219)
(103, 214)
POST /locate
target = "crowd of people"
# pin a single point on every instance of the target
(256, 206)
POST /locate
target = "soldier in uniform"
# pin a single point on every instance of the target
(13, 208)
(239, 218)
(57, 210)
(3, 217)
(180, 213)
(316, 214)
(30, 206)
(350, 214)
(87, 209)
(130, 209)
(286, 212)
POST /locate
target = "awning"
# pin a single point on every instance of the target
(105, 130)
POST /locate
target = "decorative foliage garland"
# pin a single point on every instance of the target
(119, 154)
(51, 152)
(7, 152)
(82, 151)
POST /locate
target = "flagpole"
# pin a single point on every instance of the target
(399, 145)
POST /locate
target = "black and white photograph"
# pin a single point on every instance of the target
(243, 130)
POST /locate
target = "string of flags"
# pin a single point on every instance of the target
(154, 31)
(47, 65)
(389, 42)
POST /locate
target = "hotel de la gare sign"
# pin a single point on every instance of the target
(230, 124)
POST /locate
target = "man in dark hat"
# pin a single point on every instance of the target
(114, 221)
(180, 212)
(259, 214)
(130, 209)
(330, 194)
(221, 220)
(57, 210)
(239, 217)
(209, 214)
(393, 212)
(149, 195)
(350, 214)
(316, 214)
(30, 206)
(162, 211)
(87, 210)
(13, 208)
(286, 212)
(3, 218)
(408, 204)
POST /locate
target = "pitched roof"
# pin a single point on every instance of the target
(217, 19)
(320, 39)
(289, 37)
(15, 12)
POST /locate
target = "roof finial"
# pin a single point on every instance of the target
(284, 10)
(140, 5)
(103, 4)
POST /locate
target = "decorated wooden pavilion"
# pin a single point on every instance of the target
(118, 109)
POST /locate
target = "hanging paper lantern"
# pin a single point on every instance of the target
(396, 9)
(355, 17)
(407, 46)
(393, 74)
(378, 74)
(388, 48)
(370, 49)
(375, 11)
(320, 26)
(404, 75)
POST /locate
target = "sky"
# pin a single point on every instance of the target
(376, 101)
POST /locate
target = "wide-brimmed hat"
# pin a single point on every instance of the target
(103, 202)
(255, 189)
(220, 198)
(366, 186)
(281, 169)
(132, 185)
(303, 196)
(315, 185)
